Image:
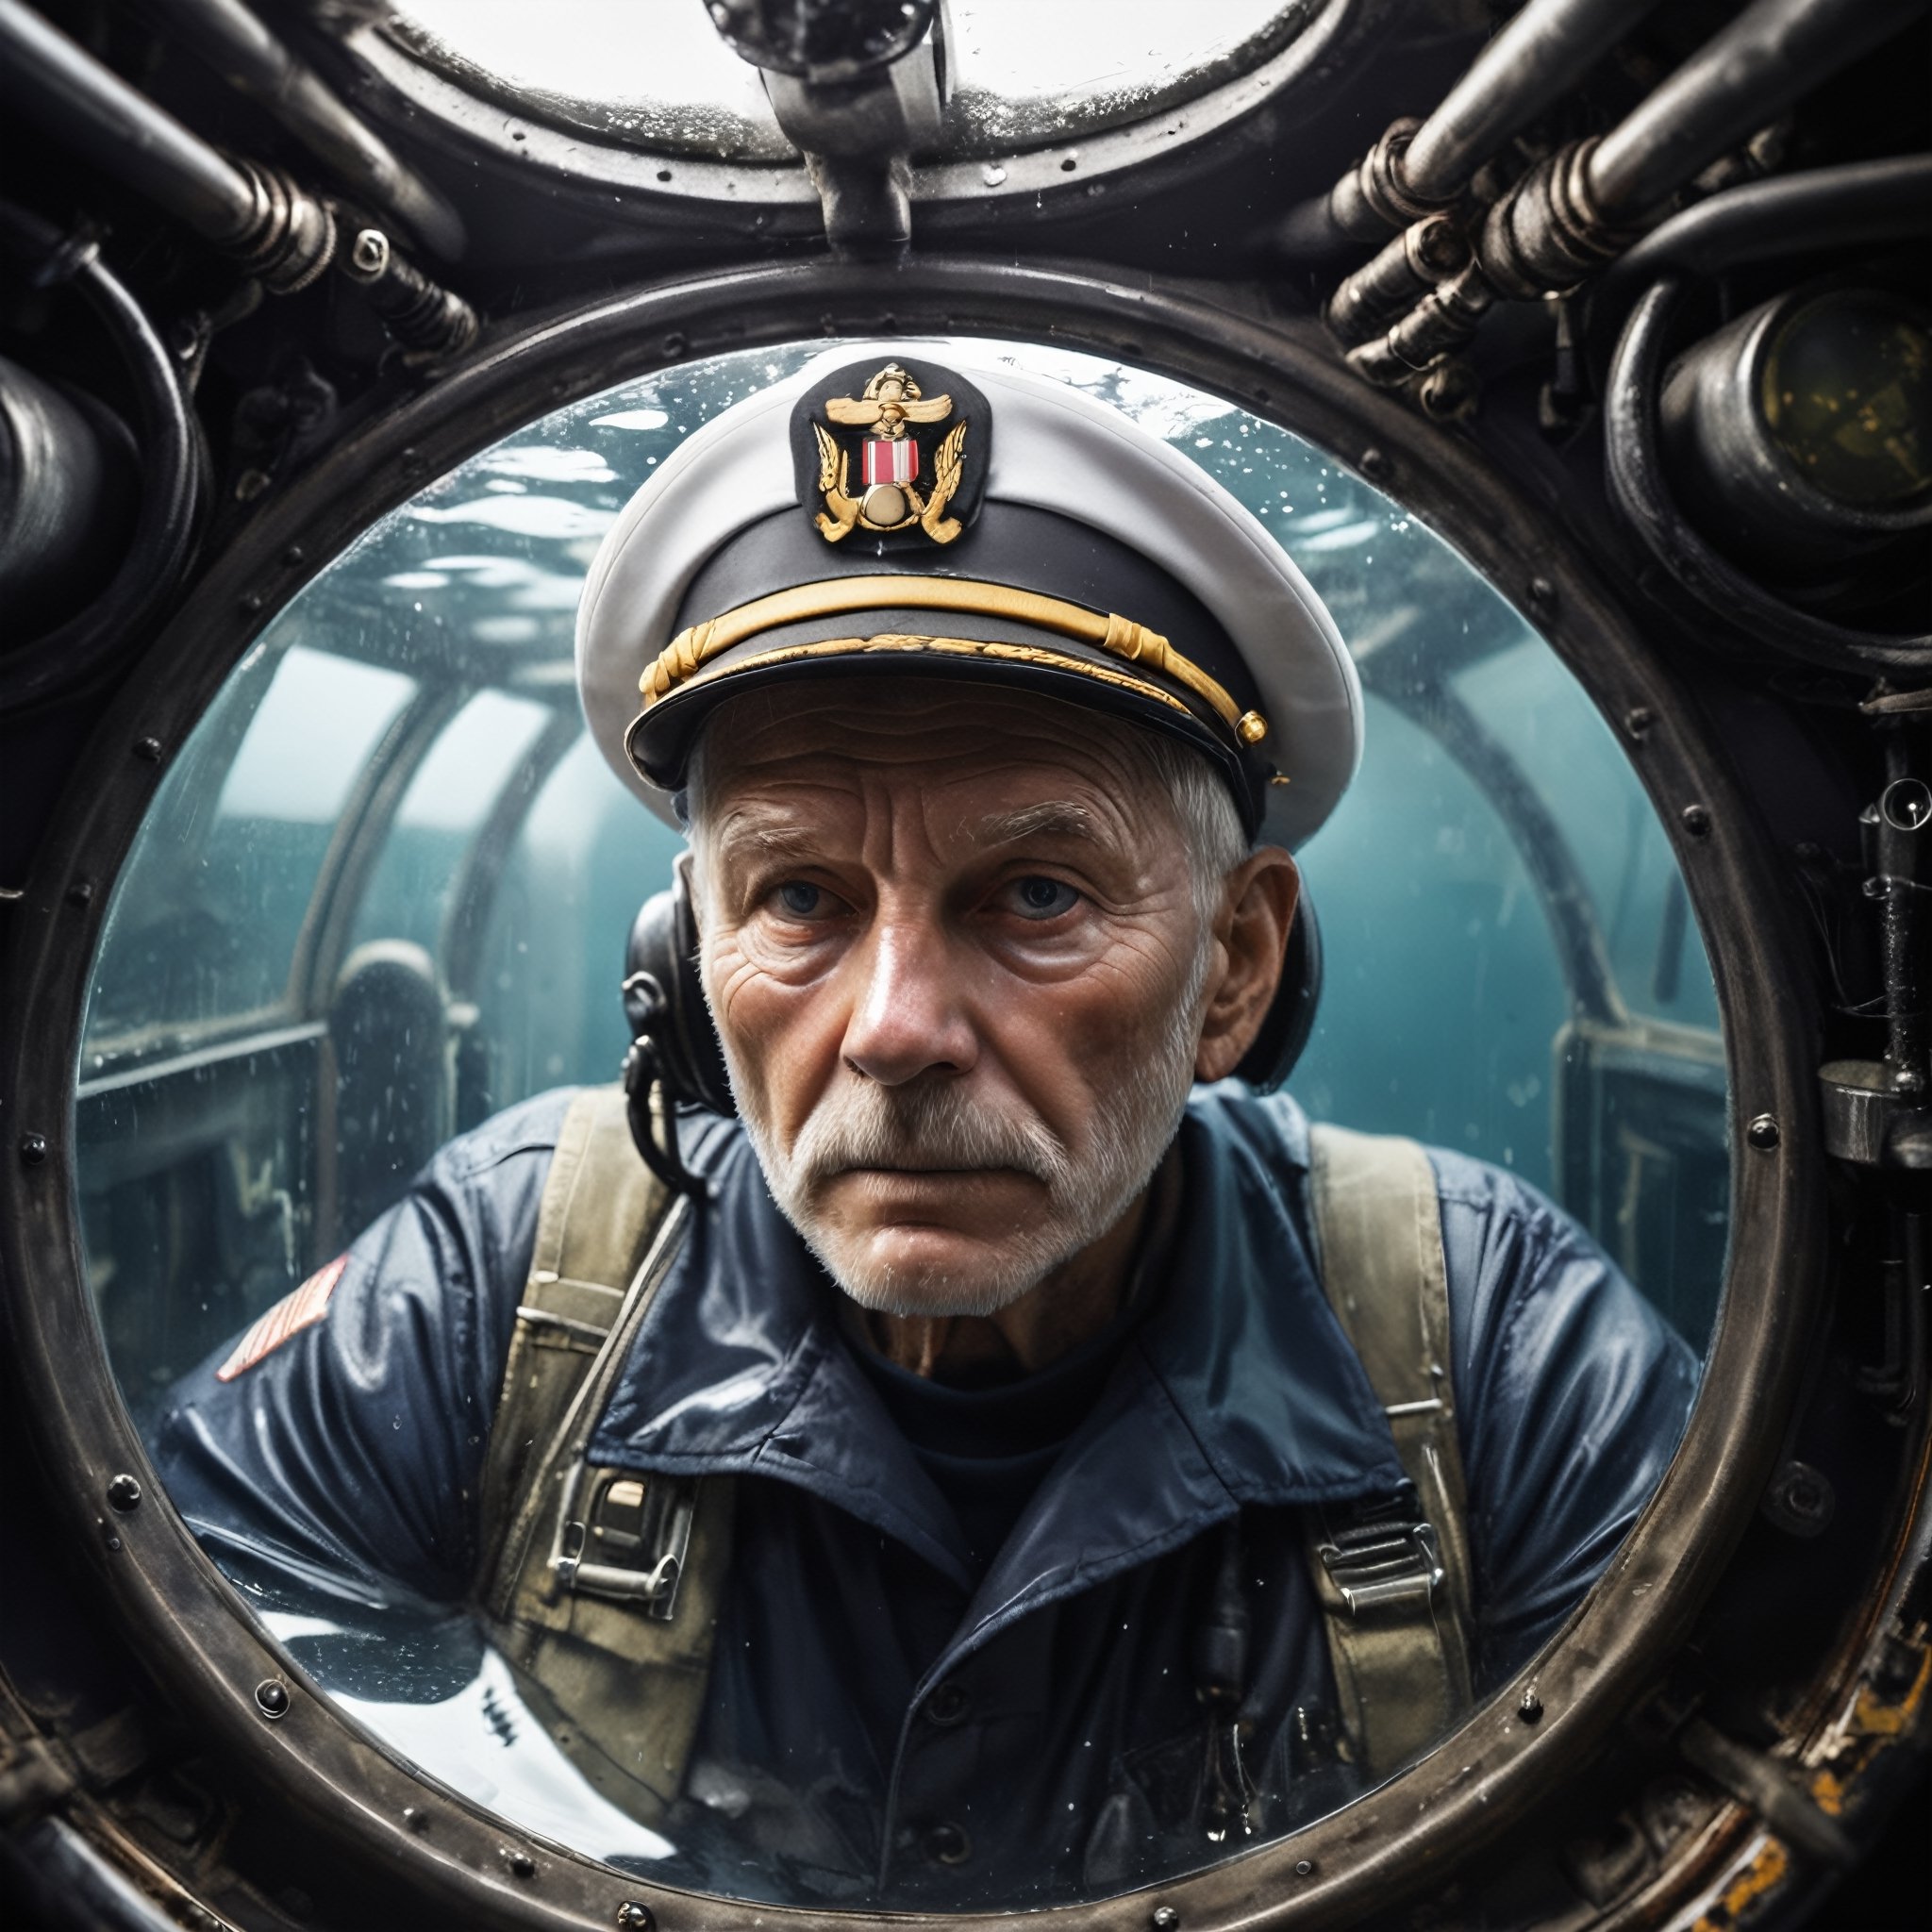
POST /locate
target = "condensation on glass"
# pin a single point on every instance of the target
(384, 891)
(1025, 73)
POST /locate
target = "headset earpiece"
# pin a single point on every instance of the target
(674, 1045)
(1291, 1016)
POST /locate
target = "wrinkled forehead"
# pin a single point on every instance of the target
(956, 752)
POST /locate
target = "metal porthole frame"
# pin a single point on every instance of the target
(466, 114)
(456, 1862)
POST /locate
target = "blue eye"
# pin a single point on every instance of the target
(1038, 897)
(799, 898)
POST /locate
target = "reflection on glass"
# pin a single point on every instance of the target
(382, 898)
(440, 814)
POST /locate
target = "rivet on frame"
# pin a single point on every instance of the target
(1695, 819)
(1764, 1133)
(272, 1699)
(123, 1493)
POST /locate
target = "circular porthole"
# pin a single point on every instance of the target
(373, 887)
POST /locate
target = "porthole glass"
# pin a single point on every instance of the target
(662, 78)
(382, 896)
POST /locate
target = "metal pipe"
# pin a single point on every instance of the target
(229, 38)
(1741, 78)
(1416, 168)
(45, 76)
(1539, 54)
(1554, 230)
(257, 215)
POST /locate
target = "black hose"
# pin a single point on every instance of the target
(172, 479)
(1635, 475)
(1848, 206)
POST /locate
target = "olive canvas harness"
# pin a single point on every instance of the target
(601, 1587)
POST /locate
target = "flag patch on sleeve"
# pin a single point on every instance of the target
(295, 1312)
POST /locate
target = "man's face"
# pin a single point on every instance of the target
(952, 946)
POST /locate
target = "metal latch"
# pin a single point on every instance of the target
(1383, 1565)
(623, 1537)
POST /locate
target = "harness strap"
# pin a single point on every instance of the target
(1394, 1584)
(600, 1586)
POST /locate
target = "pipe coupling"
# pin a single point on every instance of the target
(1425, 252)
(1374, 198)
(1548, 233)
(1443, 320)
(431, 322)
(291, 235)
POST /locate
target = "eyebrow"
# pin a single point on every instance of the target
(769, 836)
(1054, 817)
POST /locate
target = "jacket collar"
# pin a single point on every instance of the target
(1237, 1389)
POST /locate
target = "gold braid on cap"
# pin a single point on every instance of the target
(1118, 636)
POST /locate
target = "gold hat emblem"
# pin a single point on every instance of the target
(889, 497)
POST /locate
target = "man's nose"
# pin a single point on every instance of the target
(909, 1018)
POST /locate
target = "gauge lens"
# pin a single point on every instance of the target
(382, 896)
(1846, 391)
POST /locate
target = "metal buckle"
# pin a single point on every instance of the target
(628, 1542)
(1383, 1565)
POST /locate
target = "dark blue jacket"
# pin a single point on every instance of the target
(1065, 1751)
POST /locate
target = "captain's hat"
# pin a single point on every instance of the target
(891, 515)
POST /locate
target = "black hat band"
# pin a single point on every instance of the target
(686, 655)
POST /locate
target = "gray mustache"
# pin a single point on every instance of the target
(861, 1125)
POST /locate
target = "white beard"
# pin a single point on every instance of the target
(931, 1122)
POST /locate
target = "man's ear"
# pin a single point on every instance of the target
(1258, 914)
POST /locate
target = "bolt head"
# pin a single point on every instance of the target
(148, 750)
(80, 892)
(1763, 1133)
(1695, 819)
(1305, 1868)
(1531, 1710)
(123, 1493)
(632, 1917)
(415, 1818)
(1166, 1919)
(33, 1149)
(517, 1861)
(272, 1698)
(369, 254)
(1637, 719)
